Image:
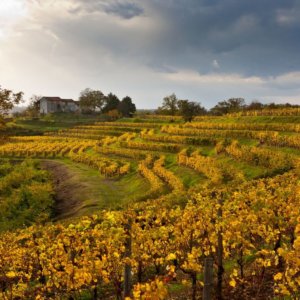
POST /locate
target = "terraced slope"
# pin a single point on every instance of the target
(162, 198)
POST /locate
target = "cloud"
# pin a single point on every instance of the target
(208, 49)
(11, 11)
(287, 81)
(126, 10)
(215, 64)
(289, 17)
(123, 8)
(192, 77)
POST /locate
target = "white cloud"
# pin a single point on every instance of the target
(287, 79)
(288, 17)
(11, 11)
(284, 98)
(193, 77)
(215, 64)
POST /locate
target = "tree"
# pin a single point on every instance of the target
(254, 105)
(169, 105)
(189, 109)
(111, 103)
(8, 100)
(33, 109)
(126, 107)
(114, 114)
(91, 100)
(228, 106)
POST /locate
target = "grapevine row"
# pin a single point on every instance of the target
(258, 156)
(82, 258)
(267, 137)
(209, 166)
(105, 166)
(244, 126)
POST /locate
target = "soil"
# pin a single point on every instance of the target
(68, 190)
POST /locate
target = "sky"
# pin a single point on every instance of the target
(201, 50)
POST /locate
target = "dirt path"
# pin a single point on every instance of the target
(68, 189)
(81, 190)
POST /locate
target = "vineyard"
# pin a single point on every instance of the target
(213, 211)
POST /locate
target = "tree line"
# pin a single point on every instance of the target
(91, 101)
(94, 101)
(189, 109)
(234, 105)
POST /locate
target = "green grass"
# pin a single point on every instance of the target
(60, 121)
(38, 126)
(286, 150)
(247, 142)
(156, 121)
(27, 126)
(97, 192)
(188, 176)
(250, 172)
(176, 287)
(92, 191)
(207, 150)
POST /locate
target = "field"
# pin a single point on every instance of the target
(152, 208)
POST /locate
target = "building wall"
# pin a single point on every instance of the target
(48, 106)
(52, 106)
(72, 107)
(43, 106)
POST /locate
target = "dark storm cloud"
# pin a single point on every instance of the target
(126, 10)
(252, 38)
(122, 8)
(205, 50)
(249, 37)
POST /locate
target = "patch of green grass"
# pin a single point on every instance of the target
(98, 192)
(250, 172)
(286, 150)
(140, 120)
(171, 159)
(54, 122)
(25, 195)
(176, 287)
(207, 150)
(229, 265)
(188, 176)
(247, 142)
(269, 119)
(287, 133)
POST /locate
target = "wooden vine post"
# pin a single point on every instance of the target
(127, 269)
(220, 254)
(208, 278)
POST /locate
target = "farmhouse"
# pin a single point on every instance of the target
(56, 104)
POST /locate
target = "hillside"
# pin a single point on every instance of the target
(149, 208)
